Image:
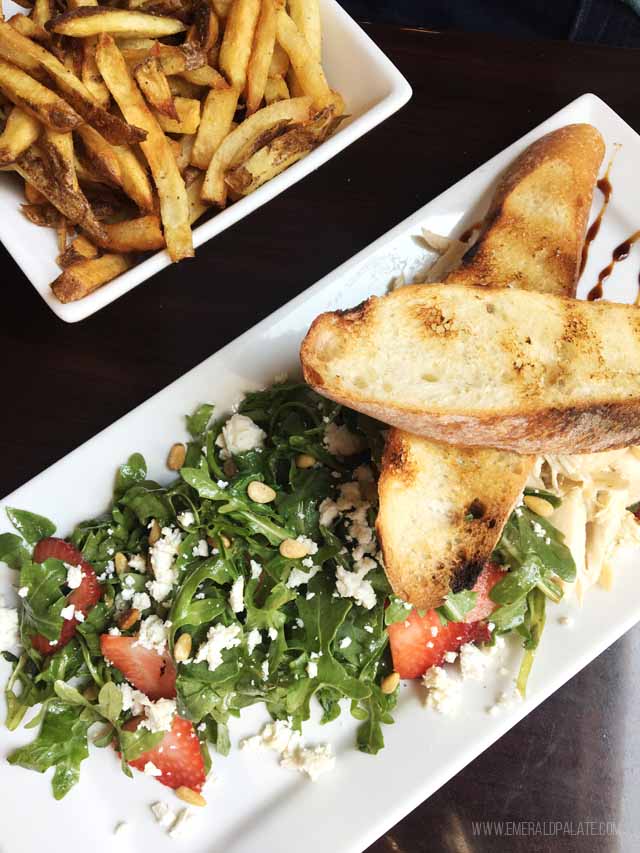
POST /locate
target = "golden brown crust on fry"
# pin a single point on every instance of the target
(36, 99)
(94, 20)
(82, 278)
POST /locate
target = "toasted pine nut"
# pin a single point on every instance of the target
(390, 683)
(176, 457)
(121, 563)
(129, 619)
(225, 540)
(154, 532)
(305, 460)
(538, 505)
(292, 549)
(182, 648)
(91, 692)
(188, 795)
(260, 492)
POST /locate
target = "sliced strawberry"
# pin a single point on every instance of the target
(83, 598)
(177, 755)
(153, 674)
(421, 642)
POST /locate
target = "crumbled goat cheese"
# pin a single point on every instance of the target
(8, 627)
(236, 596)
(74, 576)
(507, 700)
(273, 634)
(473, 662)
(67, 612)
(133, 700)
(150, 769)
(114, 632)
(159, 715)
(345, 642)
(163, 554)
(153, 634)
(121, 828)
(254, 638)
(340, 441)
(312, 669)
(138, 563)
(444, 693)
(309, 544)
(297, 576)
(353, 585)
(239, 435)
(265, 669)
(278, 736)
(313, 761)
(450, 657)
(310, 595)
(219, 638)
(201, 549)
(163, 814)
(256, 570)
(23, 592)
(186, 519)
(141, 601)
(328, 512)
(181, 823)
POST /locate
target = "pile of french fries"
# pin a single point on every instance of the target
(128, 124)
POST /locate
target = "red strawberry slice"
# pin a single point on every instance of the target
(153, 674)
(83, 598)
(177, 755)
(421, 642)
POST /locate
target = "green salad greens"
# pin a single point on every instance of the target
(265, 624)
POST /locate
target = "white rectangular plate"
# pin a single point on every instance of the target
(373, 89)
(254, 804)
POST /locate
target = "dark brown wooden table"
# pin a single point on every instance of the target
(577, 757)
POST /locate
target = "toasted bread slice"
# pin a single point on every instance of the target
(428, 551)
(534, 231)
(490, 367)
(442, 509)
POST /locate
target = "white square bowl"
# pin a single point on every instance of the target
(373, 89)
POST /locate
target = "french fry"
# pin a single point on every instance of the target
(155, 87)
(26, 27)
(174, 205)
(44, 215)
(72, 204)
(261, 55)
(279, 62)
(91, 76)
(183, 89)
(194, 192)
(306, 66)
(235, 49)
(83, 277)
(205, 76)
(42, 12)
(101, 155)
(280, 153)
(36, 99)
(58, 148)
(185, 145)
(305, 14)
(173, 59)
(93, 20)
(205, 28)
(215, 124)
(135, 235)
(20, 131)
(33, 196)
(221, 8)
(188, 110)
(276, 89)
(80, 249)
(62, 232)
(295, 110)
(135, 181)
(29, 56)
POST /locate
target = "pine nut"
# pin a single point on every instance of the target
(305, 460)
(538, 505)
(188, 795)
(129, 619)
(182, 648)
(390, 683)
(154, 532)
(121, 563)
(225, 540)
(260, 492)
(292, 549)
(176, 457)
(91, 692)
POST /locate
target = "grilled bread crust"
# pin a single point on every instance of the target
(534, 231)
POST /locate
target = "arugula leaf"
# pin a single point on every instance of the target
(31, 527)
(12, 551)
(197, 422)
(136, 743)
(397, 611)
(531, 629)
(377, 708)
(550, 497)
(133, 471)
(457, 605)
(44, 601)
(61, 743)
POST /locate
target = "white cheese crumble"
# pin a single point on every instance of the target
(181, 824)
(187, 518)
(265, 669)
(273, 634)
(239, 435)
(297, 577)
(340, 441)
(313, 761)
(133, 700)
(309, 544)
(294, 755)
(219, 638)
(201, 549)
(141, 601)
(328, 512)
(254, 638)
(159, 715)
(474, 662)
(74, 576)
(138, 563)
(67, 612)
(444, 693)
(150, 769)
(153, 634)
(507, 700)
(256, 569)
(353, 585)
(23, 592)
(345, 642)
(567, 621)
(162, 555)
(312, 669)
(278, 736)
(236, 596)
(163, 814)
(8, 627)
(121, 828)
